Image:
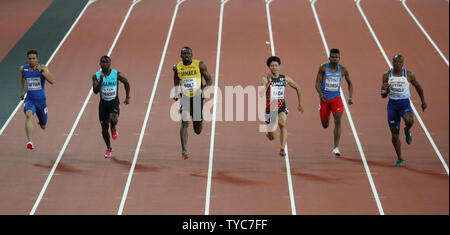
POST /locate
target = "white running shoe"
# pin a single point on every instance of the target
(336, 152)
(30, 146)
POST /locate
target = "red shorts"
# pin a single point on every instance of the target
(333, 105)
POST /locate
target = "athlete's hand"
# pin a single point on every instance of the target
(39, 68)
(322, 97)
(350, 101)
(300, 108)
(424, 106)
(22, 95)
(386, 87)
(127, 100)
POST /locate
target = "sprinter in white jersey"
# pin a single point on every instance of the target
(396, 85)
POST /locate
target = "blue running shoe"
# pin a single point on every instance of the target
(408, 136)
(398, 163)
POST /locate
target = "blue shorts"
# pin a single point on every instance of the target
(396, 109)
(39, 107)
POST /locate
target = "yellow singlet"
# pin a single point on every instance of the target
(191, 78)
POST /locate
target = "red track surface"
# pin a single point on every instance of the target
(16, 19)
(248, 176)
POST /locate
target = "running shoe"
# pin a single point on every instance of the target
(108, 153)
(399, 162)
(30, 145)
(408, 136)
(282, 153)
(184, 154)
(114, 133)
(336, 152)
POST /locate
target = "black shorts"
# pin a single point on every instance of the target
(272, 115)
(193, 105)
(105, 108)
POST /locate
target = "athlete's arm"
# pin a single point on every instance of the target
(125, 82)
(265, 83)
(22, 92)
(46, 73)
(349, 83)
(205, 74)
(294, 85)
(385, 87)
(412, 79)
(176, 83)
(319, 82)
(96, 84)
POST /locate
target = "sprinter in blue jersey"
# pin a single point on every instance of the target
(105, 82)
(34, 76)
(328, 86)
(396, 85)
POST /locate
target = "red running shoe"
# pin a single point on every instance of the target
(108, 153)
(282, 153)
(114, 133)
(30, 146)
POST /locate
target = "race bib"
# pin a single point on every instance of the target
(34, 84)
(277, 92)
(109, 93)
(397, 89)
(332, 84)
(190, 84)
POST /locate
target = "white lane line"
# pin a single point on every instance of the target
(288, 168)
(424, 32)
(149, 107)
(438, 153)
(350, 120)
(36, 204)
(213, 124)
(48, 62)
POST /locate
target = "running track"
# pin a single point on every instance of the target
(146, 174)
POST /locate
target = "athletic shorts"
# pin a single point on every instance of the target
(334, 106)
(271, 116)
(38, 106)
(192, 105)
(105, 108)
(396, 109)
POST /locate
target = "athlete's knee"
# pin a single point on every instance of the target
(409, 122)
(325, 123)
(184, 124)
(28, 114)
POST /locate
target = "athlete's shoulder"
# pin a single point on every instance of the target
(323, 66)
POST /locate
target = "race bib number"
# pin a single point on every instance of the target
(397, 89)
(108, 93)
(277, 92)
(332, 84)
(189, 84)
(34, 84)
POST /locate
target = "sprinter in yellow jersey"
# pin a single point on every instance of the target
(187, 79)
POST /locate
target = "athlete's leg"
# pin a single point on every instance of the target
(198, 126)
(283, 130)
(29, 125)
(184, 134)
(271, 120)
(409, 120)
(324, 111)
(337, 129)
(42, 114)
(113, 119)
(395, 130)
(408, 117)
(105, 134)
